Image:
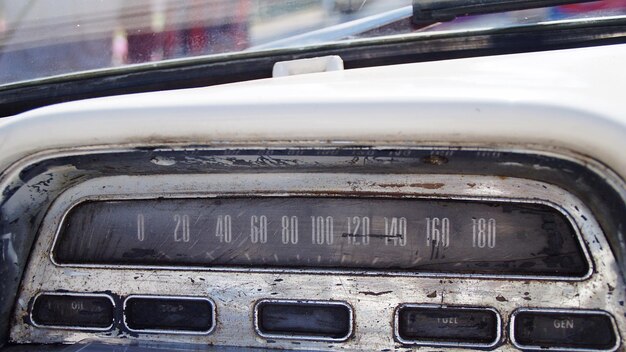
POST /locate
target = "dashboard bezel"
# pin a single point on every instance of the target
(237, 291)
(591, 293)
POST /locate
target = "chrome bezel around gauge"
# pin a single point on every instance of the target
(336, 185)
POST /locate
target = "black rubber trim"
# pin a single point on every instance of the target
(431, 11)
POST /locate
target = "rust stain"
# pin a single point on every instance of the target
(427, 185)
(501, 298)
(435, 160)
(371, 293)
(385, 194)
(416, 185)
(390, 185)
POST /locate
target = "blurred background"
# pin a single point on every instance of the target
(40, 38)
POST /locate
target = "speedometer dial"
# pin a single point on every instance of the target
(310, 233)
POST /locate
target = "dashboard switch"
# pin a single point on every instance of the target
(541, 329)
(73, 311)
(169, 314)
(306, 320)
(447, 326)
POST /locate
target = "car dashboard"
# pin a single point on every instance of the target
(475, 203)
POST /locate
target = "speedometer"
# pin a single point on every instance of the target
(369, 235)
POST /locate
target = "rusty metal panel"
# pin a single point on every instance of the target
(374, 298)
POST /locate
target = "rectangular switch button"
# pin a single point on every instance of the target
(169, 314)
(307, 320)
(449, 326)
(564, 329)
(73, 311)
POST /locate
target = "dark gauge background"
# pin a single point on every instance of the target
(367, 234)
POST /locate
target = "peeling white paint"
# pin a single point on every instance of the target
(163, 161)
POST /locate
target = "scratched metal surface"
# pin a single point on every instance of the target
(30, 186)
(373, 298)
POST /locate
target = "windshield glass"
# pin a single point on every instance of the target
(43, 38)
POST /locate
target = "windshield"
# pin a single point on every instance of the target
(43, 38)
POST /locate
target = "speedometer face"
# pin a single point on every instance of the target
(352, 234)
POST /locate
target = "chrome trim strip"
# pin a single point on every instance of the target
(303, 337)
(557, 310)
(178, 332)
(77, 294)
(396, 331)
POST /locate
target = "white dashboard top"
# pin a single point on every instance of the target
(566, 99)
